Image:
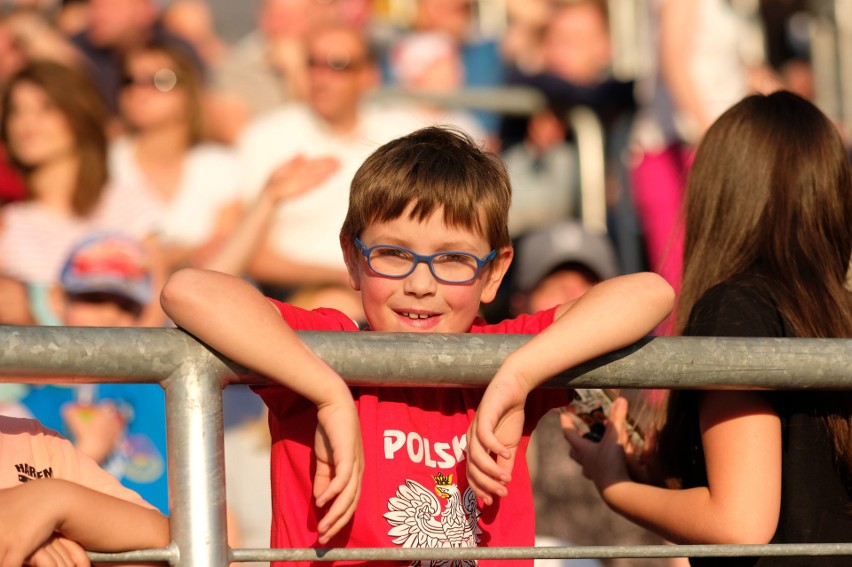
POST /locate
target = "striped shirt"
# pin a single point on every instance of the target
(35, 239)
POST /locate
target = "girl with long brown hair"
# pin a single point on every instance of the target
(52, 123)
(767, 252)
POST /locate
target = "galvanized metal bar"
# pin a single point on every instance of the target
(513, 100)
(572, 552)
(166, 554)
(33, 354)
(98, 354)
(193, 377)
(196, 465)
(589, 134)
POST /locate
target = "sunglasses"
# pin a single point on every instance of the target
(164, 80)
(339, 63)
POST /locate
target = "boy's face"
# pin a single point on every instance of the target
(419, 302)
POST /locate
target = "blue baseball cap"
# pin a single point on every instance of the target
(108, 263)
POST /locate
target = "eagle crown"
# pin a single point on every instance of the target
(442, 480)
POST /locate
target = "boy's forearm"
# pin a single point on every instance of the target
(234, 318)
(236, 252)
(613, 314)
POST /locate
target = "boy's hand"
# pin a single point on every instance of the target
(340, 464)
(494, 435)
(604, 462)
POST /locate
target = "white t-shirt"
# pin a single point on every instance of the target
(306, 227)
(720, 47)
(35, 239)
(210, 181)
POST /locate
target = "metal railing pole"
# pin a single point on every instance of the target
(195, 443)
(592, 159)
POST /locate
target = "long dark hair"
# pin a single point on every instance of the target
(770, 193)
(76, 96)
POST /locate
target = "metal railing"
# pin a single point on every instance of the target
(524, 101)
(193, 378)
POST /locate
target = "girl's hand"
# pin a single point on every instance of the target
(340, 464)
(494, 435)
(605, 462)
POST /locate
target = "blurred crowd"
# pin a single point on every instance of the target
(136, 140)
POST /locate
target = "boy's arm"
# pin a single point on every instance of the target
(234, 318)
(611, 315)
(30, 514)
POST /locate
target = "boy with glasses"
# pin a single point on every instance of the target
(425, 242)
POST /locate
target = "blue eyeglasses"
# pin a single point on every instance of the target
(447, 267)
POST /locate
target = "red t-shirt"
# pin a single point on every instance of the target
(414, 449)
(12, 187)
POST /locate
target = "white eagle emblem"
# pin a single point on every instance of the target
(412, 512)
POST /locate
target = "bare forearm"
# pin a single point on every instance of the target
(237, 251)
(613, 314)
(152, 315)
(220, 310)
(689, 516)
(100, 522)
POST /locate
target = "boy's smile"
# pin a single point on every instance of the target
(418, 302)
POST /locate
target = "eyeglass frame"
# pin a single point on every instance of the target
(424, 259)
(338, 65)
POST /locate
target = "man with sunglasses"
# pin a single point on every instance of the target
(335, 124)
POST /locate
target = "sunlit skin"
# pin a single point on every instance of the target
(450, 16)
(37, 129)
(119, 23)
(418, 302)
(577, 46)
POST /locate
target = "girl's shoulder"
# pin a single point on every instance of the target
(738, 307)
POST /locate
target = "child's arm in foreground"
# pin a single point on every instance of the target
(31, 513)
(231, 316)
(741, 439)
(611, 315)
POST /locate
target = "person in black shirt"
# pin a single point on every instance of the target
(767, 254)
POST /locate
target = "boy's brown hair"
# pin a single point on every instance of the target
(433, 168)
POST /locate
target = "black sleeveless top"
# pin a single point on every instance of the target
(815, 505)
